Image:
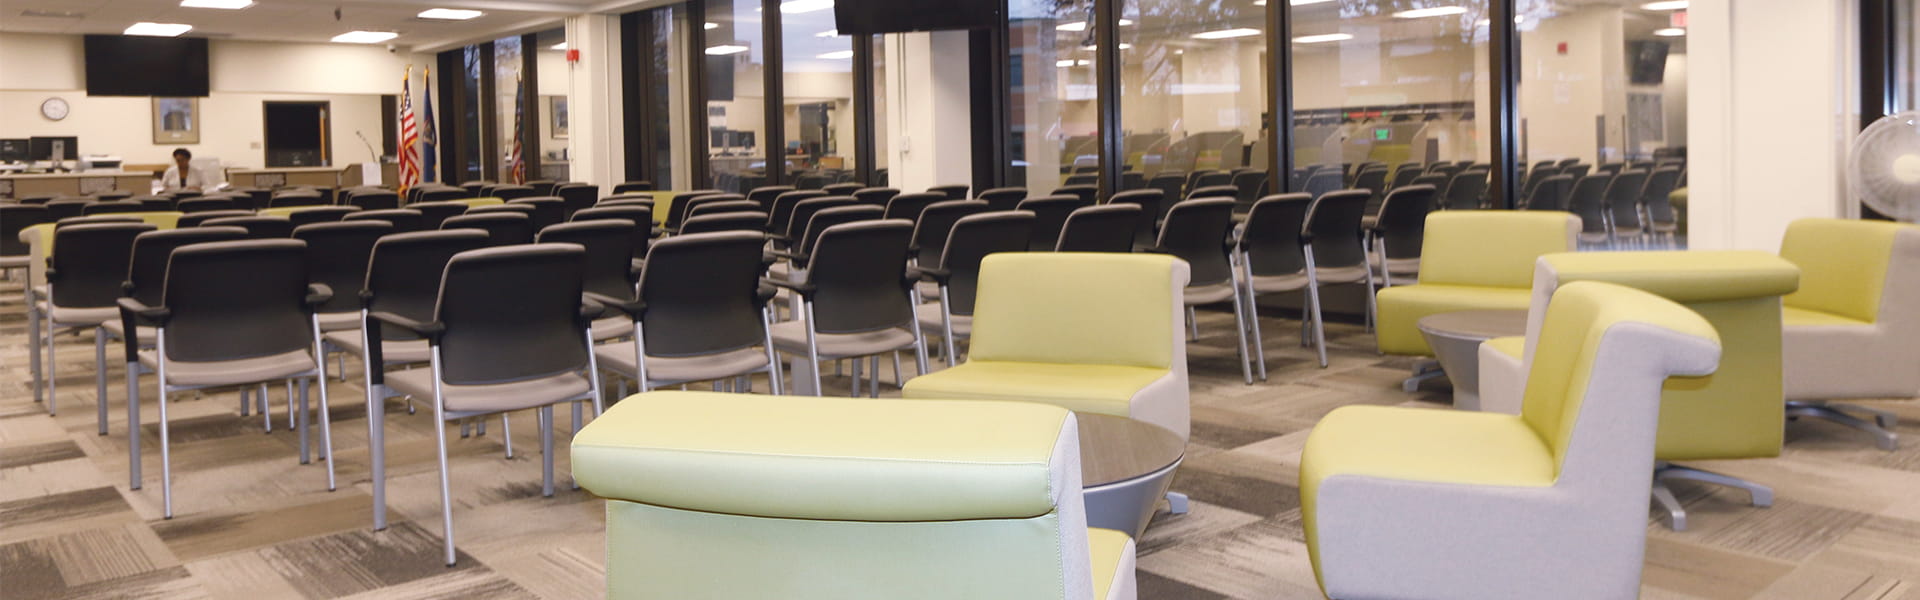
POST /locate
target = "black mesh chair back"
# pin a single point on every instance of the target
(1153, 207)
(764, 195)
(547, 210)
(1439, 182)
(877, 196)
(518, 209)
(1104, 228)
(1333, 224)
(1247, 184)
(1443, 168)
(403, 274)
(638, 220)
(826, 219)
(257, 227)
(843, 188)
(1609, 168)
(1568, 161)
(858, 273)
(1405, 174)
(236, 300)
(542, 187)
(952, 192)
(432, 214)
(577, 196)
(510, 192)
(1577, 170)
(92, 263)
(1079, 179)
(1589, 202)
(503, 228)
(1660, 185)
(153, 203)
(1372, 178)
(40, 199)
(1271, 239)
(782, 208)
(68, 207)
(205, 204)
(722, 207)
(804, 211)
(973, 238)
(1212, 178)
(1132, 180)
(811, 182)
(338, 255)
(1623, 198)
(609, 256)
(677, 210)
(1049, 217)
(936, 223)
(261, 197)
(702, 294)
(147, 268)
(1324, 181)
(1170, 183)
(104, 208)
(1538, 175)
(294, 198)
(375, 200)
(15, 218)
(512, 314)
(1467, 189)
(1006, 198)
(473, 187)
(240, 201)
(445, 194)
(195, 219)
(1196, 231)
(69, 221)
(404, 220)
(709, 222)
(633, 186)
(1214, 191)
(1551, 194)
(320, 214)
(1087, 193)
(909, 206)
(1402, 223)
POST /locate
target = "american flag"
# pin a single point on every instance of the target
(516, 160)
(409, 136)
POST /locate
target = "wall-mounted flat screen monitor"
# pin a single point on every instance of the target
(13, 150)
(1648, 61)
(129, 65)
(53, 148)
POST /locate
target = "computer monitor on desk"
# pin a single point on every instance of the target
(13, 150)
(58, 150)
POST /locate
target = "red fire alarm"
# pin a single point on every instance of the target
(1563, 48)
(573, 56)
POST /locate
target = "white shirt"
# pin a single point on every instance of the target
(196, 179)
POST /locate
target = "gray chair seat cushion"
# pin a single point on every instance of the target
(232, 372)
(1341, 275)
(618, 358)
(1267, 284)
(1399, 266)
(14, 262)
(392, 352)
(147, 334)
(929, 315)
(79, 317)
(791, 337)
(1209, 294)
(493, 397)
(339, 321)
(612, 328)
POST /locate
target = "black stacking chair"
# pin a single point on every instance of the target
(517, 209)
(1551, 194)
(432, 214)
(1589, 202)
(633, 186)
(232, 313)
(1247, 186)
(1104, 228)
(1050, 216)
(838, 189)
(677, 208)
(1006, 198)
(1153, 207)
(444, 194)
(1088, 194)
(952, 192)
(721, 207)
(510, 192)
(40, 199)
(1609, 168)
(577, 196)
(712, 221)
(258, 227)
(609, 266)
(68, 207)
(639, 221)
(83, 282)
(1080, 179)
(877, 196)
(1399, 230)
(1335, 252)
(1404, 174)
(1623, 206)
(473, 187)
(1537, 176)
(547, 210)
(153, 203)
(803, 212)
(262, 197)
(120, 218)
(1467, 190)
(957, 272)
(375, 200)
(404, 220)
(195, 219)
(626, 200)
(1196, 231)
(298, 197)
(1214, 191)
(113, 196)
(765, 195)
(936, 223)
(510, 332)
(195, 205)
(337, 255)
(15, 218)
(1372, 178)
(1324, 181)
(908, 206)
(105, 208)
(1210, 178)
(1172, 184)
(1439, 181)
(320, 214)
(1658, 202)
(854, 300)
(145, 277)
(503, 228)
(542, 187)
(1577, 170)
(818, 223)
(700, 315)
(1272, 262)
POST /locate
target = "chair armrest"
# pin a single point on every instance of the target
(802, 288)
(51, 273)
(940, 276)
(590, 310)
(318, 294)
(431, 331)
(132, 312)
(791, 256)
(765, 293)
(633, 308)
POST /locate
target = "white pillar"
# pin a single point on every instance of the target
(596, 136)
(930, 141)
(1771, 110)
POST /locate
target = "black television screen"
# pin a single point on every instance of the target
(1648, 61)
(13, 150)
(42, 148)
(126, 65)
(865, 17)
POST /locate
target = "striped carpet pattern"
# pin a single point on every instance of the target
(253, 523)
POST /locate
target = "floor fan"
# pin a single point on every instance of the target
(1883, 170)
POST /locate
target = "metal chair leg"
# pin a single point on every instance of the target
(545, 414)
(1881, 428)
(100, 375)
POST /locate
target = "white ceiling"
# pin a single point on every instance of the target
(295, 20)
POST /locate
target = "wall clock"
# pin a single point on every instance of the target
(54, 109)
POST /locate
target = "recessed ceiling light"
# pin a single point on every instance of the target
(1074, 26)
(836, 55)
(713, 26)
(365, 37)
(1064, 63)
(1670, 32)
(158, 29)
(801, 6)
(1225, 34)
(724, 50)
(1323, 38)
(1666, 5)
(559, 46)
(1437, 11)
(226, 4)
(449, 14)
(828, 33)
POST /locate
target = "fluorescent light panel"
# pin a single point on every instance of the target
(1074, 26)
(365, 37)
(1225, 34)
(828, 33)
(836, 55)
(1437, 11)
(559, 46)
(1666, 5)
(1066, 62)
(802, 6)
(449, 14)
(222, 4)
(158, 29)
(1670, 32)
(725, 49)
(713, 26)
(1323, 38)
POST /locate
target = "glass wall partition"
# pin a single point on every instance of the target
(507, 104)
(736, 102)
(817, 85)
(464, 141)
(1192, 93)
(1053, 111)
(665, 95)
(879, 99)
(550, 50)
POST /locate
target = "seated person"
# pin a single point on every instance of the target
(184, 176)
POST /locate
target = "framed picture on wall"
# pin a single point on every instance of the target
(557, 116)
(176, 120)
